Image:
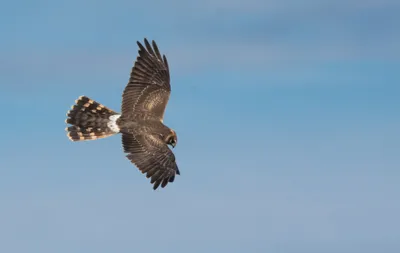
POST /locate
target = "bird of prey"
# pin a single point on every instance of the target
(145, 138)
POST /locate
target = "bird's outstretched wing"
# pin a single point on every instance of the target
(152, 156)
(149, 86)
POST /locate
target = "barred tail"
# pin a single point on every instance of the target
(90, 120)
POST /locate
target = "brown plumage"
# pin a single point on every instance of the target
(145, 138)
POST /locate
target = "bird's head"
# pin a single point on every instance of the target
(172, 138)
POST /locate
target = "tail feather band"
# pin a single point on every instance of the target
(90, 120)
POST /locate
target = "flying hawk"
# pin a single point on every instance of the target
(145, 138)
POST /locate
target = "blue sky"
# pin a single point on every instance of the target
(287, 114)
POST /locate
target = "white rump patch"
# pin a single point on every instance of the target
(112, 124)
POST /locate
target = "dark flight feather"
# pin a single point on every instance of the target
(155, 159)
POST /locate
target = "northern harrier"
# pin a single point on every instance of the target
(145, 138)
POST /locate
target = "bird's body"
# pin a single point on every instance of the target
(144, 136)
(141, 126)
